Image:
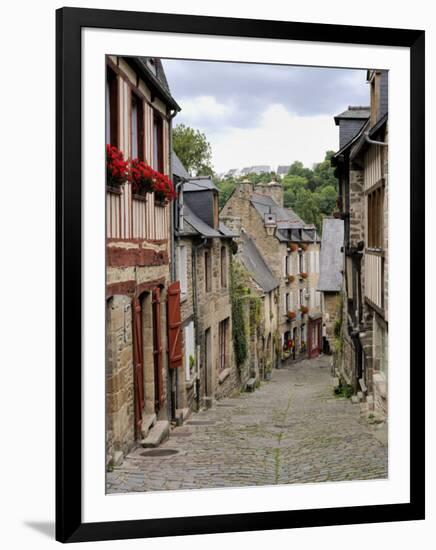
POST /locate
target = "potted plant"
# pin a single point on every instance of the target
(303, 246)
(291, 315)
(163, 189)
(141, 176)
(304, 310)
(116, 167)
(303, 275)
(291, 278)
(293, 247)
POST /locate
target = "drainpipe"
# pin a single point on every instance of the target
(195, 249)
(172, 374)
(373, 142)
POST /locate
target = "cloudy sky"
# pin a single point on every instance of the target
(264, 114)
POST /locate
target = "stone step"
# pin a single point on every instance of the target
(148, 421)
(157, 435)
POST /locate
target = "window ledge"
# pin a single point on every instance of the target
(223, 375)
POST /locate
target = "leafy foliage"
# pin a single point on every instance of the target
(193, 149)
(310, 192)
(238, 291)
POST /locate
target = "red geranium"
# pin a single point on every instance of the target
(163, 188)
(116, 167)
(141, 177)
(146, 180)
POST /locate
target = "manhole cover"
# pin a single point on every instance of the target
(160, 452)
(201, 422)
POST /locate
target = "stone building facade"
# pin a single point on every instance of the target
(362, 168)
(261, 317)
(290, 248)
(203, 256)
(140, 290)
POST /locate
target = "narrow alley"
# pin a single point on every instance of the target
(293, 429)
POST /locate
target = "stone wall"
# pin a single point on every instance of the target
(126, 279)
(214, 307)
(332, 312)
(120, 433)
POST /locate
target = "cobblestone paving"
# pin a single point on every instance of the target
(291, 430)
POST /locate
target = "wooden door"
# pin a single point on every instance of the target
(138, 358)
(157, 350)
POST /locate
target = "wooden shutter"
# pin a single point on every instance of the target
(139, 364)
(159, 397)
(174, 326)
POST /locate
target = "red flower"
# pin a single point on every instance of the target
(146, 180)
(116, 167)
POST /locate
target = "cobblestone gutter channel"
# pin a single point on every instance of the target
(291, 430)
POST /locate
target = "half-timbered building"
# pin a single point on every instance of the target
(362, 168)
(143, 339)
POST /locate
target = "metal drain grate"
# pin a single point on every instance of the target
(159, 452)
(201, 422)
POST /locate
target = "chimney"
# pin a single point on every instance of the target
(272, 189)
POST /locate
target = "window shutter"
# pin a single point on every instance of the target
(174, 326)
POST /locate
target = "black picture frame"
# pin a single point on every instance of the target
(69, 525)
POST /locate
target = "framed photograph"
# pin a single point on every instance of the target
(240, 272)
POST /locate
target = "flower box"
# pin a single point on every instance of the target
(116, 168)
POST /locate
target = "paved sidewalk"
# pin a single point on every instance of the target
(291, 430)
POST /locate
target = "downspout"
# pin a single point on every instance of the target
(195, 312)
(373, 142)
(172, 375)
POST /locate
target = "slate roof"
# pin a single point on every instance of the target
(354, 111)
(331, 256)
(286, 218)
(201, 183)
(158, 80)
(178, 169)
(255, 264)
(199, 226)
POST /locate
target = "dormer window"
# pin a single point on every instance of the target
(151, 65)
(270, 223)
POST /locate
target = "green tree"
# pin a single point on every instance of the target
(193, 149)
(326, 198)
(226, 188)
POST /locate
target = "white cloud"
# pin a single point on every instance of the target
(279, 138)
(204, 110)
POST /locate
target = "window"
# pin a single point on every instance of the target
(207, 271)
(111, 107)
(137, 127)
(223, 337)
(301, 263)
(374, 221)
(189, 350)
(223, 267)
(183, 269)
(287, 301)
(287, 265)
(158, 143)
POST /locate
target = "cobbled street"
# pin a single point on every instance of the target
(290, 430)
